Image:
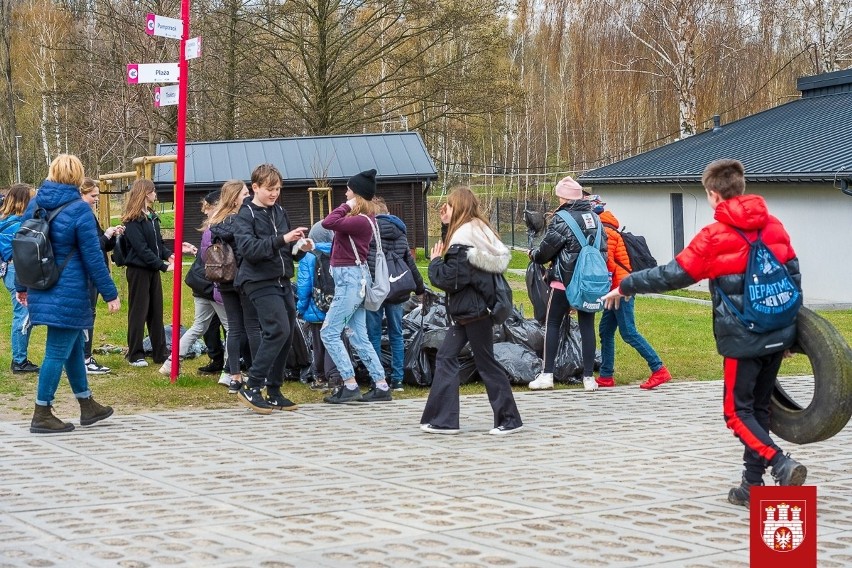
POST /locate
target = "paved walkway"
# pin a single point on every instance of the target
(615, 478)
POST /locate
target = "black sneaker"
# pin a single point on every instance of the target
(212, 368)
(376, 394)
(741, 495)
(235, 386)
(280, 402)
(94, 368)
(25, 366)
(319, 385)
(343, 395)
(253, 398)
(789, 472)
(505, 430)
(397, 386)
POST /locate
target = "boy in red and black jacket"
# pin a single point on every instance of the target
(752, 360)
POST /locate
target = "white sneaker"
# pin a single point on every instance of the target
(166, 369)
(139, 363)
(590, 384)
(542, 381)
(429, 429)
(503, 431)
(224, 379)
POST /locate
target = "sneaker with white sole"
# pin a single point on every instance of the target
(505, 430)
(93, 368)
(166, 368)
(429, 429)
(542, 381)
(590, 384)
(139, 363)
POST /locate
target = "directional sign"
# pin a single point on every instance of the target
(166, 96)
(193, 48)
(152, 73)
(165, 27)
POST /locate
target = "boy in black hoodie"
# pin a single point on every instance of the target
(264, 240)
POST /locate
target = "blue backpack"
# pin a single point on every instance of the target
(771, 299)
(591, 279)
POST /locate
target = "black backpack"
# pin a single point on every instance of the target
(637, 251)
(323, 288)
(35, 265)
(119, 253)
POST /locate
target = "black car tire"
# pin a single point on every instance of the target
(831, 406)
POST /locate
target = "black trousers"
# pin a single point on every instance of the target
(323, 364)
(745, 402)
(145, 308)
(442, 406)
(93, 299)
(276, 312)
(243, 337)
(213, 341)
(557, 309)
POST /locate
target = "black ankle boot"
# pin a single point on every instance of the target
(44, 422)
(91, 411)
(741, 494)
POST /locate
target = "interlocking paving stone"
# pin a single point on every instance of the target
(619, 477)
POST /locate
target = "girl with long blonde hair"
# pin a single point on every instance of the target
(464, 265)
(353, 227)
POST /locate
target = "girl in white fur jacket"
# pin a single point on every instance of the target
(464, 268)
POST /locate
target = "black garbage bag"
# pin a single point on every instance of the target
(467, 369)
(417, 367)
(299, 358)
(521, 364)
(538, 290)
(568, 367)
(527, 332)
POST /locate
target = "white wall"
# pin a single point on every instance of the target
(817, 216)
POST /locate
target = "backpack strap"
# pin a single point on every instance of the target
(578, 233)
(53, 213)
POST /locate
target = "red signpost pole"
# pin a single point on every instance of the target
(179, 186)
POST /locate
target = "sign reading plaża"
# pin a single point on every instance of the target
(164, 27)
(153, 73)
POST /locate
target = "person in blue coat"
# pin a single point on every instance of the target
(65, 307)
(324, 370)
(10, 221)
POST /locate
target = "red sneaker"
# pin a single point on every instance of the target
(657, 378)
(605, 381)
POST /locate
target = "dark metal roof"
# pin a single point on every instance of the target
(806, 140)
(398, 156)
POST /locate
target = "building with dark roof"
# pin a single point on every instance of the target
(797, 155)
(405, 172)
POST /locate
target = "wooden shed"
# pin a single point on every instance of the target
(405, 173)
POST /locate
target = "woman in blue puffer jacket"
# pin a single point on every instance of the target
(65, 307)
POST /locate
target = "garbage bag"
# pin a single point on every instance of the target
(538, 290)
(417, 368)
(568, 367)
(527, 332)
(299, 357)
(521, 364)
(467, 369)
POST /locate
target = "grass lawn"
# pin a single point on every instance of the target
(680, 331)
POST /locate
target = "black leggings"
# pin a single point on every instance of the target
(242, 325)
(557, 309)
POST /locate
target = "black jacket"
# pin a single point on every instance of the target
(266, 258)
(559, 244)
(145, 246)
(392, 231)
(466, 271)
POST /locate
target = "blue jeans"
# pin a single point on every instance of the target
(347, 310)
(393, 313)
(64, 348)
(623, 320)
(20, 336)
